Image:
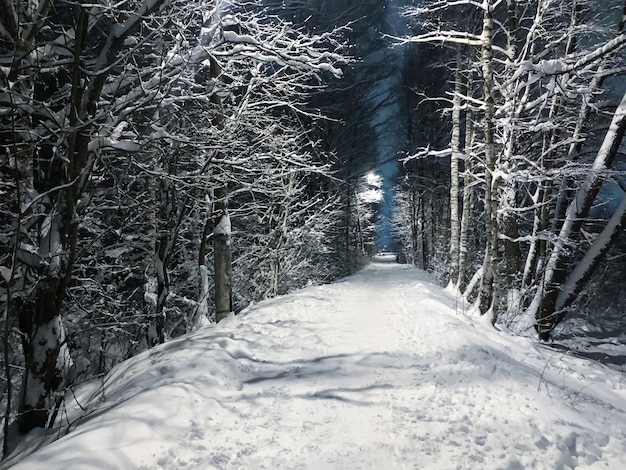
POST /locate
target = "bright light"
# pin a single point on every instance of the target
(374, 180)
(372, 192)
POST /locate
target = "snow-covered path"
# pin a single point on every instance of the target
(378, 371)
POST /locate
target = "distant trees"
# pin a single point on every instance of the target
(422, 193)
(543, 152)
(137, 141)
(368, 127)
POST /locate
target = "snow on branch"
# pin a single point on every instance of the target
(439, 6)
(448, 36)
(425, 153)
(283, 44)
(571, 62)
(457, 37)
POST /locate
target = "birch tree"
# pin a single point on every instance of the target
(484, 41)
(455, 158)
(556, 290)
(537, 85)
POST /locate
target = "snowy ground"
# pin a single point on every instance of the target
(378, 371)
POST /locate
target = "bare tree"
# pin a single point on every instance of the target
(537, 85)
(98, 95)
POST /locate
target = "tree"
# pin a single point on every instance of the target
(557, 291)
(58, 127)
(536, 89)
(455, 157)
(111, 148)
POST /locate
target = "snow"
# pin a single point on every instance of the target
(380, 370)
(231, 36)
(223, 227)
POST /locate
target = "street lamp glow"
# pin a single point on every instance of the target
(374, 180)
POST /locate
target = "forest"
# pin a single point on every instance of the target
(165, 163)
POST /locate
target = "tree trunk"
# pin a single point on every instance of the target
(425, 251)
(581, 274)
(454, 172)
(222, 255)
(544, 303)
(201, 312)
(150, 284)
(46, 355)
(488, 286)
(414, 226)
(512, 251)
(467, 193)
(539, 225)
(161, 262)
